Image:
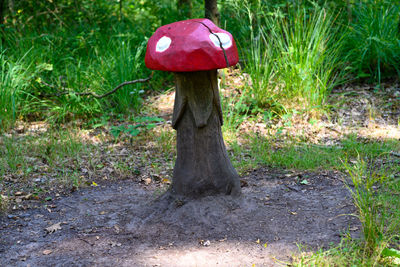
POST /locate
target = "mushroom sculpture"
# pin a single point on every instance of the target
(194, 49)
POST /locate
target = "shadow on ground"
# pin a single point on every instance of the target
(125, 224)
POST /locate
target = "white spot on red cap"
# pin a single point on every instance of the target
(163, 44)
(225, 39)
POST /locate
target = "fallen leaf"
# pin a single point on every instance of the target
(391, 252)
(258, 241)
(53, 228)
(47, 252)
(94, 184)
(28, 196)
(293, 212)
(305, 182)
(115, 244)
(166, 181)
(206, 243)
(146, 181)
(156, 177)
(102, 212)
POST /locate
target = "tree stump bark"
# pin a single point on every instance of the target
(202, 166)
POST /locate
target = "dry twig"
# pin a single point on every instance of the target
(69, 90)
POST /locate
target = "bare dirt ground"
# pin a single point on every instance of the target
(127, 224)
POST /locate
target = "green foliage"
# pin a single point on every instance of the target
(374, 40)
(291, 50)
(11, 84)
(373, 187)
(371, 212)
(142, 124)
(50, 147)
(87, 62)
(16, 77)
(76, 46)
(298, 155)
(235, 111)
(292, 58)
(308, 56)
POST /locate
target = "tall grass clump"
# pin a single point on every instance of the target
(13, 81)
(377, 210)
(373, 44)
(307, 56)
(291, 56)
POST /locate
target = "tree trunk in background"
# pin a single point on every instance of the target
(120, 10)
(211, 11)
(202, 165)
(11, 6)
(185, 8)
(349, 11)
(2, 9)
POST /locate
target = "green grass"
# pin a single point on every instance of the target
(373, 45)
(292, 154)
(14, 79)
(375, 193)
(53, 149)
(291, 51)
(292, 59)
(377, 207)
(79, 64)
(307, 58)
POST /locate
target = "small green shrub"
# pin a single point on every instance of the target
(142, 124)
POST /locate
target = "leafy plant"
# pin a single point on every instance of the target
(142, 124)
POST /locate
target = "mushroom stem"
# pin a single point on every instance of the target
(202, 166)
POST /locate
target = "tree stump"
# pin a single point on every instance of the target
(202, 166)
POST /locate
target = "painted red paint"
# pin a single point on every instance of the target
(188, 46)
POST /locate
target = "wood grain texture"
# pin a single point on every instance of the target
(202, 166)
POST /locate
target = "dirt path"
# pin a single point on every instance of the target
(125, 224)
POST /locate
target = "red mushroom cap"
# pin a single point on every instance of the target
(190, 45)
